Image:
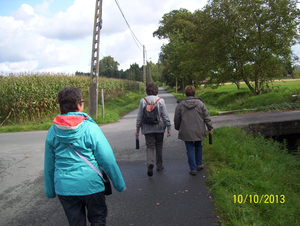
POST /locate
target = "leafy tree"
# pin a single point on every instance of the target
(135, 72)
(179, 28)
(108, 67)
(176, 20)
(154, 71)
(255, 38)
(230, 40)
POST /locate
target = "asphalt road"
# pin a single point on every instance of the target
(171, 197)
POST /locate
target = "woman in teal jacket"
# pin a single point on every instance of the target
(66, 174)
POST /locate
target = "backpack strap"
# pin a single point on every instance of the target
(146, 100)
(154, 103)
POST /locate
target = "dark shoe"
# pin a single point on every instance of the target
(194, 173)
(150, 170)
(200, 167)
(160, 168)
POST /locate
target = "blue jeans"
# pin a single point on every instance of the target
(194, 154)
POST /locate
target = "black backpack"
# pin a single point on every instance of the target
(150, 113)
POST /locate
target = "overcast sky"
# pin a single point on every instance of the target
(56, 35)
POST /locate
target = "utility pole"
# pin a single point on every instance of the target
(144, 69)
(93, 102)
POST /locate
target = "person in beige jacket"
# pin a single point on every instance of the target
(191, 119)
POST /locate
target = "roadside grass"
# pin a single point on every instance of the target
(44, 124)
(241, 165)
(229, 98)
(114, 109)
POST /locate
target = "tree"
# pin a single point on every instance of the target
(179, 28)
(257, 39)
(154, 71)
(135, 72)
(108, 67)
(230, 41)
(176, 20)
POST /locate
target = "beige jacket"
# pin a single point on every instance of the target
(191, 118)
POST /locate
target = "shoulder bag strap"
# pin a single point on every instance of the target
(87, 162)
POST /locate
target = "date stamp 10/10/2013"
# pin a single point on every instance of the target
(259, 199)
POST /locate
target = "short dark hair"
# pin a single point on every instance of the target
(152, 88)
(190, 90)
(69, 98)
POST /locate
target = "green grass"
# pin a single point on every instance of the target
(240, 164)
(229, 98)
(118, 107)
(28, 126)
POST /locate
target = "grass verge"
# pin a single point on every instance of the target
(254, 180)
(229, 98)
(118, 107)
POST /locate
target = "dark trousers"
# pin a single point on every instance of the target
(75, 206)
(154, 142)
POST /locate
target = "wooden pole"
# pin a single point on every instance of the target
(144, 70)
(102, 102)
(93, 102)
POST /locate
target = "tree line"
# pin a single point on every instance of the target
(230, 41)
(108, 68)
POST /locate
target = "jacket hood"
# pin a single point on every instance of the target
(71, 126)
(190, 102)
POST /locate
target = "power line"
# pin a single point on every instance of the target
(132, 33)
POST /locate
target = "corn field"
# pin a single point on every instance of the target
(32, 97)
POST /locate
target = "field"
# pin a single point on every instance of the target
(33, 98)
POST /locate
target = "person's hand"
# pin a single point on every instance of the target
(211, 132)
(136, 134)
(168, 133)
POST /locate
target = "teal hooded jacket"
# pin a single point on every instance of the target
(65, 173)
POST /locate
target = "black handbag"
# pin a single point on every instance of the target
(106, 182)
(103, 175)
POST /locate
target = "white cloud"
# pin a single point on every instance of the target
(54, 56)
(25, 13)
(34, 38)
(43, 9)
(75, 23)
(18, 41)
(24, 66)
(21, 44)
